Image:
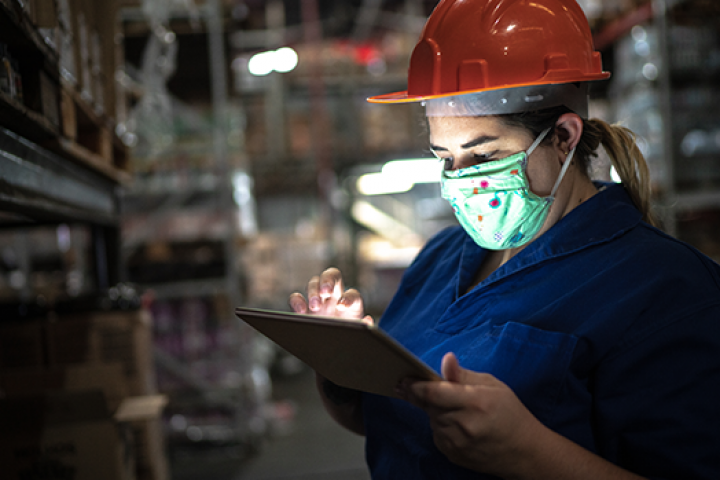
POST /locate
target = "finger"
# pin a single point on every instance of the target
(331, 283)
(431, 396)
(451, 370)
(350, 305)
(313, 294)
(297, 303)
(451, 395)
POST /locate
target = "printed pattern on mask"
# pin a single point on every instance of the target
(494, 204)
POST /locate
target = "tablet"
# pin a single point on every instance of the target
(349, 353)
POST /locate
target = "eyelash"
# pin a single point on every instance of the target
(484, 157)
(448, 162)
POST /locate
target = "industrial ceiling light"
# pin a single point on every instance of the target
(282, 60)
(399, 176)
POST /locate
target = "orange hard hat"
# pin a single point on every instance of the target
(470, 46)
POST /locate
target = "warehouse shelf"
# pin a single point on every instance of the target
(60, 159)
(667, 62)
(194, 288)
(18, 32)
(39, 183)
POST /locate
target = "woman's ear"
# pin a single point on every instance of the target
(568, 131)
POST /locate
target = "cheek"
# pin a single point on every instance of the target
(543, 170)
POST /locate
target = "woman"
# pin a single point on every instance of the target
(575, 339)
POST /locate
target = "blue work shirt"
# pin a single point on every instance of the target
(607, 330)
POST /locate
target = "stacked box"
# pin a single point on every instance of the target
(117, 434)
(66, 42)
(142, 415)
(149, 439)
(67, 435)
(21, 345)
(107, 55)
(108, 378)
(44, 14)
(82, 54)
(106, 337)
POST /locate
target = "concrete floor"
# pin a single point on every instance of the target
(310, 447)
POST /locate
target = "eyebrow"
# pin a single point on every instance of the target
(472, 143)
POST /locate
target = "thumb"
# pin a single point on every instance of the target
(451, 370)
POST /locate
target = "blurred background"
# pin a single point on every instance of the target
(163, 161)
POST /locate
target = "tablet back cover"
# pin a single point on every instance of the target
(350, 354)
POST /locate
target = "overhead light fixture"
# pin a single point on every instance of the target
(384, 225)
(399, 176)
(282, 60)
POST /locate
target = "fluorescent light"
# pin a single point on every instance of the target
(381, 184)
(418, 170)
(261, 64)
(383, 224)
(286, 59)
(399, 176)
(281, 60)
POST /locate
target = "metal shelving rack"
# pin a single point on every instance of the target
(40, 184)
(647, 37)
(45, 177)
(213, 397)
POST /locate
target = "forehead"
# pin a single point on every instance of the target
(452, 132)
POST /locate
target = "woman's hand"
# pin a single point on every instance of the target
(326, 295)
(477, 421)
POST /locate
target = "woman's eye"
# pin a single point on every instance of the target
(482, 157)
(447, 163)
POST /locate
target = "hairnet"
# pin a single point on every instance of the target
(511, 100)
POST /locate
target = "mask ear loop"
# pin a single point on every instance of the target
(565, 166)
(568, 161)
(537, 141)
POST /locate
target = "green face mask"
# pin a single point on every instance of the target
(493, 202)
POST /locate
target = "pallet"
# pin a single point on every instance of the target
(89, 137)
(52, 113)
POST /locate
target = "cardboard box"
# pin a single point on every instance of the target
(68, 436)
(21, 345)
(49, 99)
(111, 56)
(106, 337)
(65, 392)
(44, 13)
(66, 42)
(143, 416)
(82, 53)
(107, 378)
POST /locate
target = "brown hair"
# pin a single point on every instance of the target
(618, 141)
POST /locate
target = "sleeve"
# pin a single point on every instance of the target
(657, 408)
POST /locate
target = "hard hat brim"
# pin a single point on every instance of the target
(405, 97)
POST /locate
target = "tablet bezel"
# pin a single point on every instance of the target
(349, 353)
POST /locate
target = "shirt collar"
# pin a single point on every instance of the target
(606, 215)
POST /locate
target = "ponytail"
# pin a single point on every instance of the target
(619, 143)
(629, 162)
